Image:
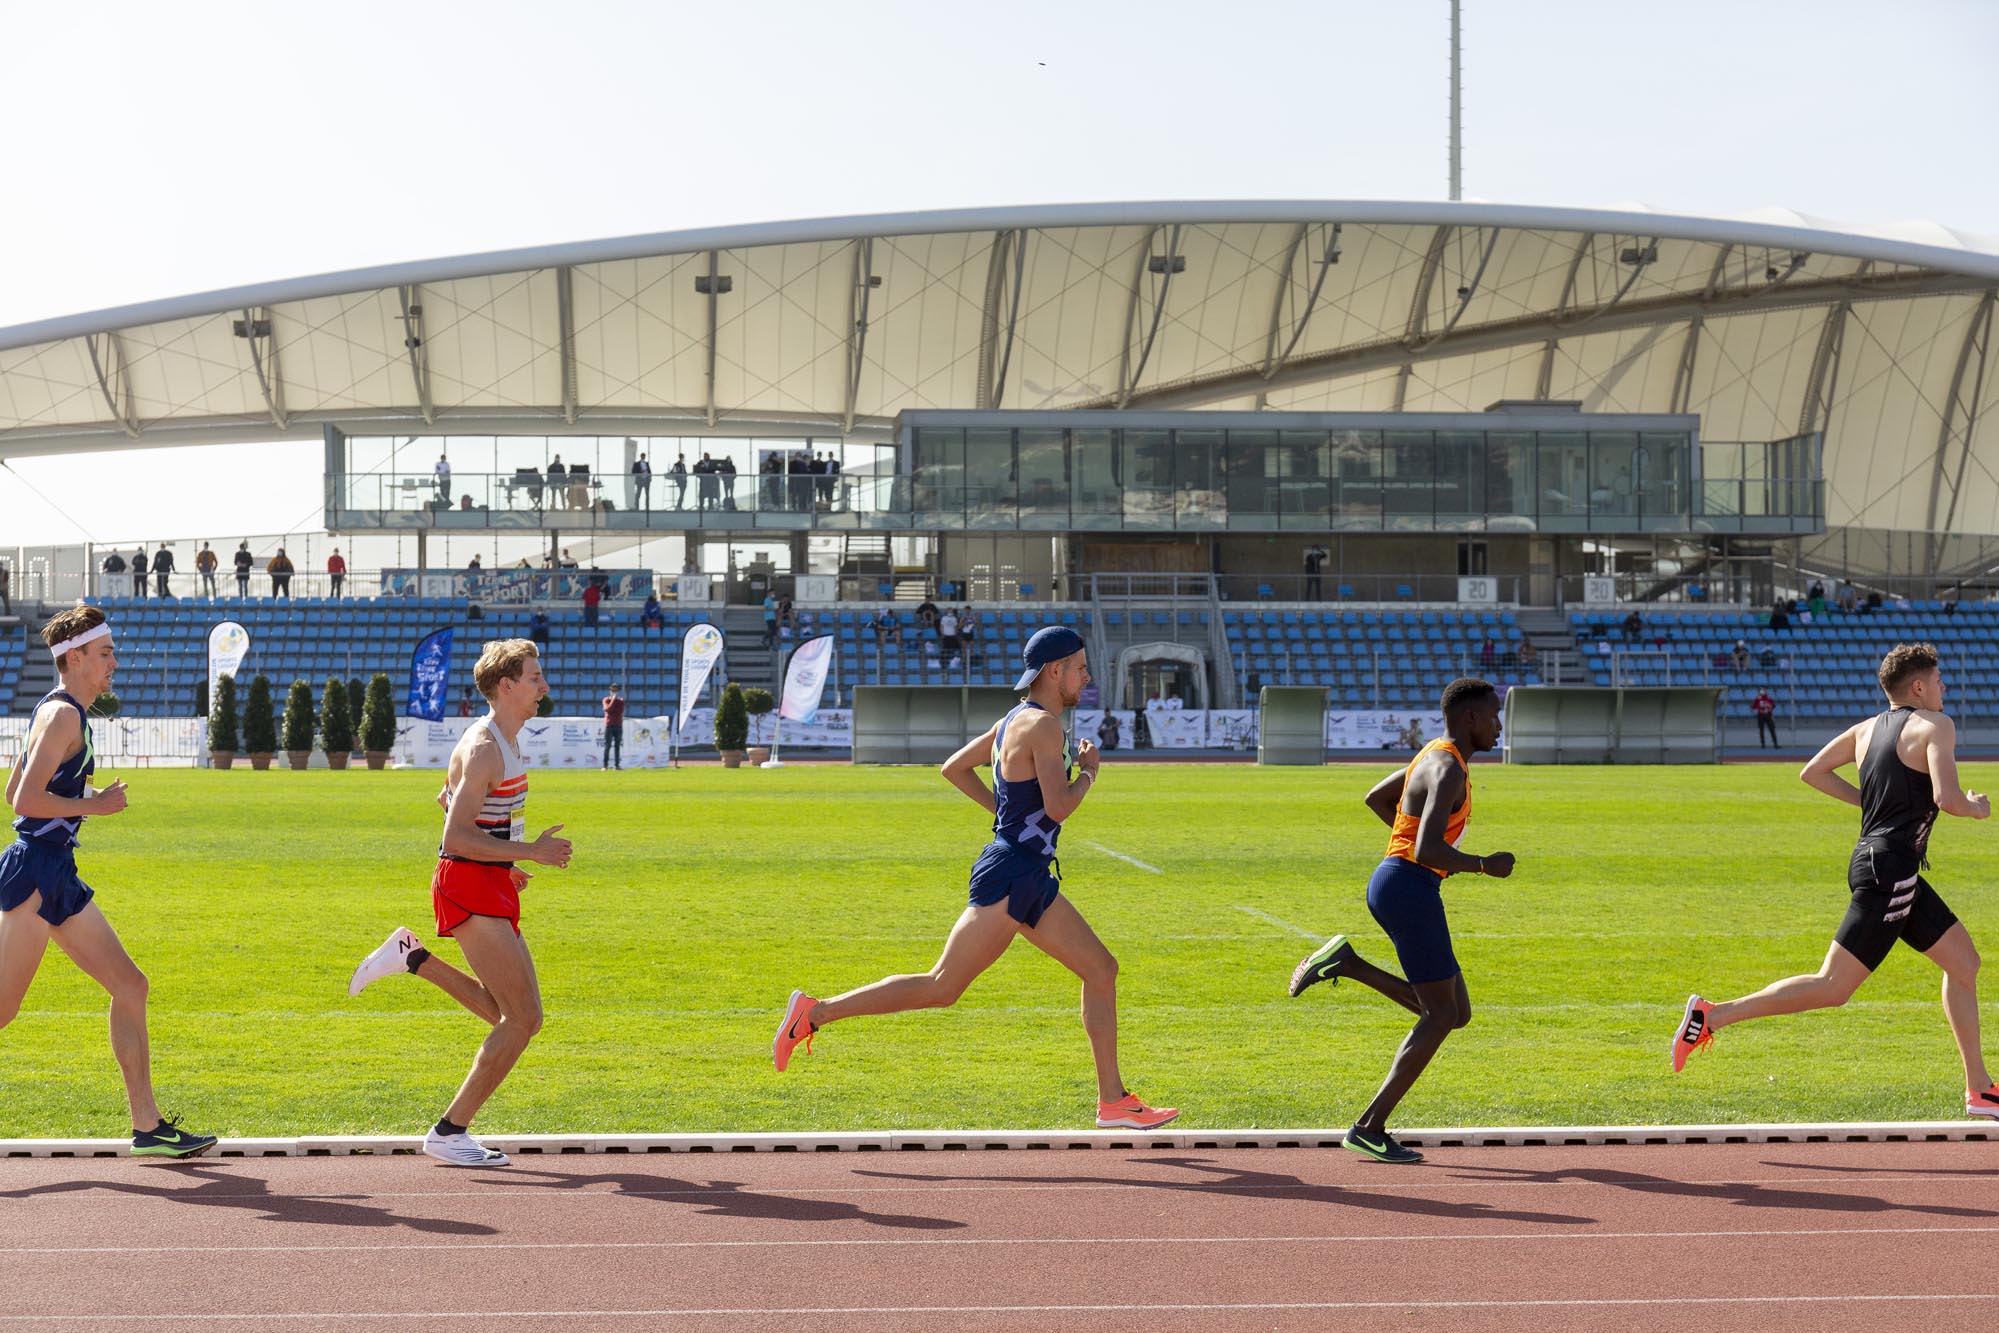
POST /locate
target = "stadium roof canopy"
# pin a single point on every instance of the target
(1767, 327)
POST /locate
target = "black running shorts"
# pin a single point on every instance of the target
(1891, 901)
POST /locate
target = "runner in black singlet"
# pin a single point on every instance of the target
(1907, 759)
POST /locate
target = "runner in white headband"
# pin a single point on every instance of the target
(96, 632)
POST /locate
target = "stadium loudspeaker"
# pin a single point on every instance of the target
(922, 724)
(1291, 725)
(1558, 724)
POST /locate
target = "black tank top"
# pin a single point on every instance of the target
(1897, 803)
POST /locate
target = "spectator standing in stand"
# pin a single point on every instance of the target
(725, 475)
(244, 562)
(592, 595)
(642, 484)
(614, 728)
(1765, 709)
(1315, 562)
(163, 568)
(947, 638)
(114, 565)
(139, 572)
(205, 564)
(442, 472)
(538, 629)
(336, 571)
(770, 619)
(6, 589)
(679, 474)
(280, 570)
(558, 484)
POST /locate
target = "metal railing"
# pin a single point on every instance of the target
(1369, 587)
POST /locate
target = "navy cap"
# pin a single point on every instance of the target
(1051, 643)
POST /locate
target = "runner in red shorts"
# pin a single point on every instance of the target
(476, 892)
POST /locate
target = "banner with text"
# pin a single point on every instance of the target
(805, 679)
(430, 673)
(228, 645)
(700, 649)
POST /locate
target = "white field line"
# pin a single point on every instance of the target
(1128, 860)
(1183, 1307)
(1282, 924)
(207, 1251)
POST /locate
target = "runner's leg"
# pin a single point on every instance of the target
(503, 964)
(460, 987)
(1958, 958)
(94, 947)
(1438, 1016)
(1064, 936)
(24, 938)
(1832, 985)
(1379, 979)
(980, 937)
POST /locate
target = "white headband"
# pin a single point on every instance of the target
(97, 631)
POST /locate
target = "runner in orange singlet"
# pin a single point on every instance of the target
(1426, 807)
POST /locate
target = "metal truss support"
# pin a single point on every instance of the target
(864, 284)
(410, 298)
(1960, 423)
(1823, 382)
(1683, 374)
(565, 314)
(1162, 267)
(114, 378)
(258, 327)
(1006, 270)
(1538, 328)
(1426, 278)
(713, 291)
(1329, 255)
(1544, 382)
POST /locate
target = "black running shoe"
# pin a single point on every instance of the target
(1323, 965)
(170, 1140)
(1378, 1144)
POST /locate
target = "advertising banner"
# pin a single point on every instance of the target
(805, 679)
(228, 645)
(700, 649)
(430, 672)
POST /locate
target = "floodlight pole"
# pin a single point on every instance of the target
(1457, 105)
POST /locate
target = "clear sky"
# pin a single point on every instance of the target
(159, 150)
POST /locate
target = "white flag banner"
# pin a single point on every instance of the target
(805, 679)
(700, 649)
(228, 645)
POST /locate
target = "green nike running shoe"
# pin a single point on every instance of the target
(1323, 965)
(170, 1140)
(1377, 1143)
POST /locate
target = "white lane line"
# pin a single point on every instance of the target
(767, 1311)
(992, 1241)
(111, 1194)
(1286, 925)
(1128, 860)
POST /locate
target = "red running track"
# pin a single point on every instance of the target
(1751, 1237)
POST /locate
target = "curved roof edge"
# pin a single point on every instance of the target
(1965, 258)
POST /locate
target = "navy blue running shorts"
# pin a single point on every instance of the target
(1004, 873)
(1408, 902)
(27, 866)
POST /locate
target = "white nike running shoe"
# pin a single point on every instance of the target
(392, 957)
(461, 1150)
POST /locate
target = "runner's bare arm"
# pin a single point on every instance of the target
(54, 734)
(1386, 795)
(1941, 745)
(1822, 773)
(1440, 785)
(961, 770)
(1059, 794)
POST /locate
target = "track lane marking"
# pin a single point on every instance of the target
(1128, 860)
(1276, 921)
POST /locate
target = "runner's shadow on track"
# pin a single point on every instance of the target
(1887, 1170)
(1743, 1194)
(722, 1198)
(1235, 1180)
(224, 1189)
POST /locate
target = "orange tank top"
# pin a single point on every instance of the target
(1402, 835)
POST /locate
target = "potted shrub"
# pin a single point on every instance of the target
(732, 726)
(336, 724)
(299, 725)
(106, 705)
(758, 704)
(260, 731)
(357, 700)
(378, 723)
(546, 708)
(222, 724)
(201, 697)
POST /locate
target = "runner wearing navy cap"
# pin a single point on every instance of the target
(1016, 882)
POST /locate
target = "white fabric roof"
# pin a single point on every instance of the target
(1767, 326)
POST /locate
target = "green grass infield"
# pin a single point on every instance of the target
(698, 899)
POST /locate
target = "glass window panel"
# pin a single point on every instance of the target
(1251, 479)
(1199, 501)
(1093, 472)
(1306, 471)
(1147, 472)
(1460, 490)
(1357, 479)
(1661, 465)
(992, 478)
(1563, 468)
(1509, 478)
(1409, 483)
(1613, 488)
(1044, 478)
(937, 469)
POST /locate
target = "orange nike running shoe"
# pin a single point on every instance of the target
(1985, 1103)
(1128, 1112)
(796, 1027)
(1693, 1034)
